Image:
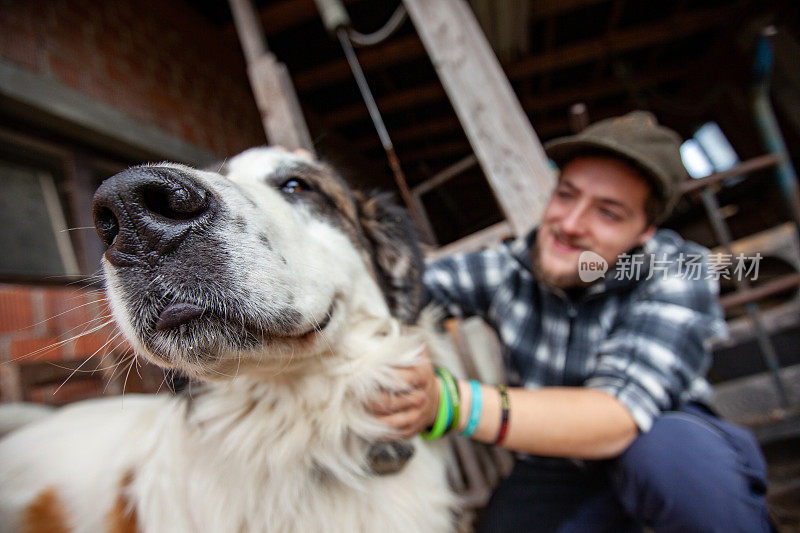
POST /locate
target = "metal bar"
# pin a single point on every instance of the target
(751, 165)
(445, 175)
(383, 134)
(764, 343)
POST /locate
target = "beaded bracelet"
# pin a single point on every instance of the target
(506, 405)
(452, 391)
(443, 415)
(475, 407)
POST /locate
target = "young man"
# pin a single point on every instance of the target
(609, 413)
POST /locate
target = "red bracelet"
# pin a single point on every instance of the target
(506, 405)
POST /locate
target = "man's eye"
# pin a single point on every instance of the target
(294, 185)
(611, 215)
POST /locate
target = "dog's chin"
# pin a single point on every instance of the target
(206, 344)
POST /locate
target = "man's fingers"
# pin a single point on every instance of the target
(412, 377)
(405, 423)
(389, 403)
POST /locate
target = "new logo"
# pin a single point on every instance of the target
(591, 266)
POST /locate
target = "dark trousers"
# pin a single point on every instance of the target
(690, 472)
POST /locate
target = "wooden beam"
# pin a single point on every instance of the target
(540, 9)
(283, 15)
(395, 52)
(751, 165)
(537, 104)
(446, 175)
(602, 89)
(275, 97)
(485, 238)
(392, 52)
(626, 40)
(396, 101)
(775, 286)
(415, 132)
(498, 129)
(623, 41)
(456, 148)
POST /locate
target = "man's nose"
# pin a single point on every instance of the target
(144, 213)
(574, 220)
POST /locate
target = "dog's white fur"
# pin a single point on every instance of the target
(277, 440)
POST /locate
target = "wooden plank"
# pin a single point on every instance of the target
(387, 54)
(283, 15)
(623, 41)
(396, 101)
(540, 9)
(601, 89)
(485, 238)
(498, 129)
(778, 285)
(751, 165)
(272, 87)
(445, 175)
(458, 148)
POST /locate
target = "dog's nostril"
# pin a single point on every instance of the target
(107, 225)
(174, 202)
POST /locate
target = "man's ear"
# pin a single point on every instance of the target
(395, 252)
(646, 235)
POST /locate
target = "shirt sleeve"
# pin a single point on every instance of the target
(464, 284)
(659, 345)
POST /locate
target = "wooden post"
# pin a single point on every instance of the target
(272, 86)
(498, 129)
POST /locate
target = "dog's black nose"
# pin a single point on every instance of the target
(145, 212)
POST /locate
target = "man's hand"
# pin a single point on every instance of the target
(414, 410)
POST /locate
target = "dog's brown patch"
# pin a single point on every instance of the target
(122, 516)
(46, 514)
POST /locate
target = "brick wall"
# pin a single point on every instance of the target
(45, 334)
(160, 62)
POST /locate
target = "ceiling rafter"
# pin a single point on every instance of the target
(627, 40)
(391, 53)
(402, 50)
(281, 16)
(534, 104)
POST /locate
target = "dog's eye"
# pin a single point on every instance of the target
(294, 185)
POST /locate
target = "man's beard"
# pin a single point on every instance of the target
(565, 280)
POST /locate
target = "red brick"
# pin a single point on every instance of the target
(98, 344)
(16, 312)
(66, 310)
(36, 350)
(75, 389)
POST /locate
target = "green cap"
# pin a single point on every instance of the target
(637, 138)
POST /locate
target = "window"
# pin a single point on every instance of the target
(33, 231)
(708, 151)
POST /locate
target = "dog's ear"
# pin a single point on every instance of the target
(396, 255)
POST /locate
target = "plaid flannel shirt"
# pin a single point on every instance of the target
(644, 339)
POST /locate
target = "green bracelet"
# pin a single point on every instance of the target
(452, 391)
(440, 424)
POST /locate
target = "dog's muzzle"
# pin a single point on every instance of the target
(144, 213)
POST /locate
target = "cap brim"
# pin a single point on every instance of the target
(565, 149)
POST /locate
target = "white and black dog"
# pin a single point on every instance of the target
(291, 298)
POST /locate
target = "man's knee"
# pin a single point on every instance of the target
(692, 471)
